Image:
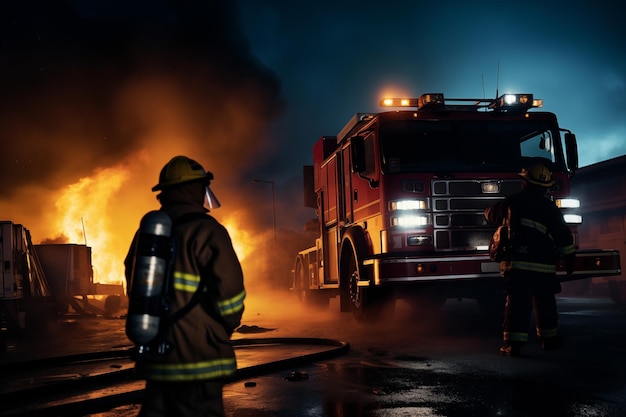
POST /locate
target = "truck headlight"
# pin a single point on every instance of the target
(490, 187)
(409, 220)
(413, 204)
(573, 218)
(567, 203)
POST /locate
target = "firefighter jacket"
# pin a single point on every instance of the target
(204, 261)
(538, 232)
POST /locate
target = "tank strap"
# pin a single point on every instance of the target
(195, 298)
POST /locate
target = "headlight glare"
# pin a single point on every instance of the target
(573, 218)
(408, 205)
(409, 221)
(567, 203)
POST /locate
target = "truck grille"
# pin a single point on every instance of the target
(458, 207)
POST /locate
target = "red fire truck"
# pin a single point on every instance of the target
(399, 197)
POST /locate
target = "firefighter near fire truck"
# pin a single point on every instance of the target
(204, 297)
(399, 198)
(538, 235)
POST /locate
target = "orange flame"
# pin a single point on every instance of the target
(85, 203)
(83, 216)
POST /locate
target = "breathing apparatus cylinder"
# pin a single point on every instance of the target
(149, 280)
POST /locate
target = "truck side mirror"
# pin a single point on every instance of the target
(571, 151)
(357, 149)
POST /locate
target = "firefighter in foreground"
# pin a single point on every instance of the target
(206, 287)
(538, 236)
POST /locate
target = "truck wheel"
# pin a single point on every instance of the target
(617, 289)
(358, 295)
(305, 294)
(368, 304)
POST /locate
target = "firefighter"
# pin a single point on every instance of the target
(539, 235)
(207, 284)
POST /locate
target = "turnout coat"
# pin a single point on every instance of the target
(205, 262)
(539, 233)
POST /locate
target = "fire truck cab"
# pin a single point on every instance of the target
(399, 197)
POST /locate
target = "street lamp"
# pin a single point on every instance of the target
(271, 182)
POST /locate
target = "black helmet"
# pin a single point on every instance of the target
(181, 170)
(538, 174)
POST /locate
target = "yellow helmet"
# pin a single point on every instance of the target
(181, 170)
(538, 174)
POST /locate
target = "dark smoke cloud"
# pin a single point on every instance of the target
(86, 84)
(96, 96)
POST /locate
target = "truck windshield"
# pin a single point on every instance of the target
(468, 145)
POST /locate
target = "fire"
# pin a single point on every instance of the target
(242, 239)
(250, 245)
(82, 218)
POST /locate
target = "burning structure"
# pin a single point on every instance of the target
(96, 97)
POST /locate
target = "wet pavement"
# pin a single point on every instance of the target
(448, 365)
(445, 364)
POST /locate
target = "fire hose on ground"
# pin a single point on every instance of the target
(103, 403)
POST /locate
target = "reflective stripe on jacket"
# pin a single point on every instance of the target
(172, 372)
(539, 233)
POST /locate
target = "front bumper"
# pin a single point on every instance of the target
(388, 270)
(592, 263)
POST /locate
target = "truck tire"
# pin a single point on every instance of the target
(369, 305)
(306, 295)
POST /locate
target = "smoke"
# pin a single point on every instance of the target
(95, 97)
(82, 92)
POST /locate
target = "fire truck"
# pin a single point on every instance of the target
(400, 194)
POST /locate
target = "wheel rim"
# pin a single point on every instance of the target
(356, 294)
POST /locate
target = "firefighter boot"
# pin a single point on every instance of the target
(511, 348)
(552, 343)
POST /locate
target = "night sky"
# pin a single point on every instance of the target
(336, 58)
(246, 88)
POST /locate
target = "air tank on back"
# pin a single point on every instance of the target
(148, 283)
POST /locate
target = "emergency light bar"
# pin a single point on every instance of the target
(430, 100)
(516, 102)
(433, 101)
(426, 100)
(398, 102)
